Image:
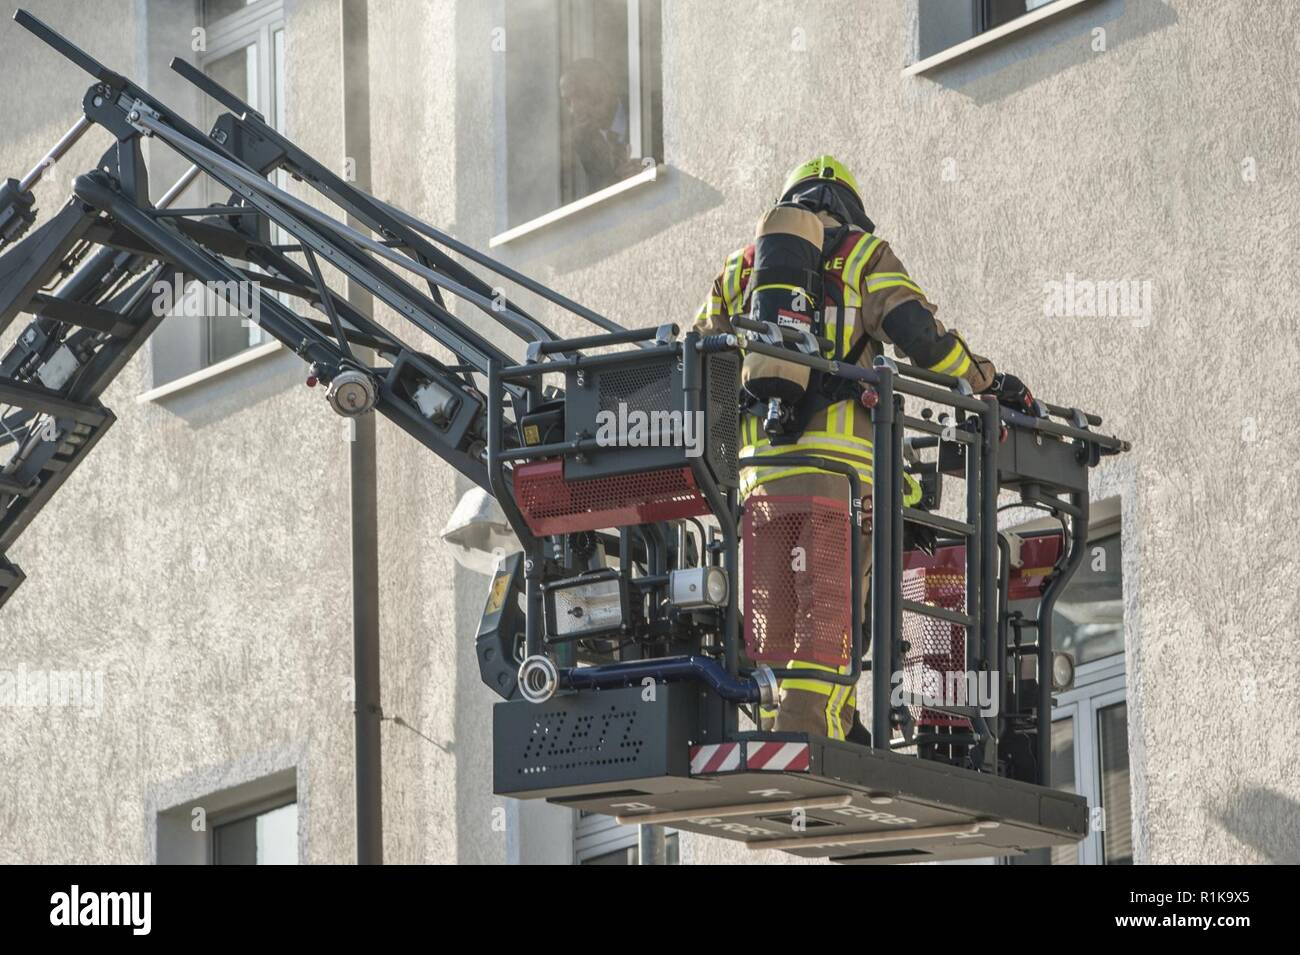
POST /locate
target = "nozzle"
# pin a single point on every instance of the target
(778, 416)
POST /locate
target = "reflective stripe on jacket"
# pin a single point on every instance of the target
(872, 283)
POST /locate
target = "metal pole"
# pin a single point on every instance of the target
(652, 845)
(179, 186)
(975, 552)
(362, 471)
(882, 553)
(895, 514)
(474, 255)
(990, 661)
(1077, 510)
(57, 152)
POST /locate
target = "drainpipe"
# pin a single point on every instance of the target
(652, 845)
(364, 502)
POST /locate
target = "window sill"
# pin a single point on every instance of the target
(650, 174)
(246, 357)
(988, 37)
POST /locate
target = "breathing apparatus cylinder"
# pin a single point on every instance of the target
(784, 290)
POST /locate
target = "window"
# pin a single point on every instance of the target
(1090, 757)
(1063, 779)
(945, 23)
(245, 53)
(600, 840)
(1112, 756)
(583, 101)
(255, 822)
(948, 29)
(266, 836)
(1090, 720)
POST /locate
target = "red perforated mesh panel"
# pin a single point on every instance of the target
(797, 609)
(552, 505)
(936, 648)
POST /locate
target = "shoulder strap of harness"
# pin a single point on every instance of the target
(735, 279)
(854, 266)
(834, 291)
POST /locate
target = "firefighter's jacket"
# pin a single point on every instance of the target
(882, 302)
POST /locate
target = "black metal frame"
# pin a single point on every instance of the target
(110, 233)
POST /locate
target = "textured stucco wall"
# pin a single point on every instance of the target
(199, 559)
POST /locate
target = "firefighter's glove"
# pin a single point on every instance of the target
(1013, 393)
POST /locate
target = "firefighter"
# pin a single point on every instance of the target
(867, 299)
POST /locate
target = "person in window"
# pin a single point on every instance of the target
(598, 131)
(871, 301)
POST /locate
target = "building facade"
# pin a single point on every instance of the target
(1100, 195)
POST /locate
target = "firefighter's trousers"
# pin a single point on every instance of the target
(811, 705)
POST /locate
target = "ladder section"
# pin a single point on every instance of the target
(43, 438)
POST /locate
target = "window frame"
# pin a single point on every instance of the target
(232, 33)
(1113, 693)
(225, 794)
(979, 41)
(1063, 713)
(257, 23)
(244, 812)
(1105, 685)
(638, 93)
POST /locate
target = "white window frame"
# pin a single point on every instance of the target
(247, 811)
(256, 23)
(1063, 713)
(1097, 685)
(979, 41)
(220, 795)
(636, 98)
(648, 175)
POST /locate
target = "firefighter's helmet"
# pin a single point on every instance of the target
(825, 184)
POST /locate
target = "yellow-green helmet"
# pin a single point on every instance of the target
(825, 183)
(823, 167)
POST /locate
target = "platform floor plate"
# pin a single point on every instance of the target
(902, 804)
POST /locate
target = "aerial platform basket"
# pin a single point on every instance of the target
(639, 716)
(613, 752)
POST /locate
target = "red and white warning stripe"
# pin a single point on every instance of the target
(777, 757)
(771, 757)
(715, 758)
